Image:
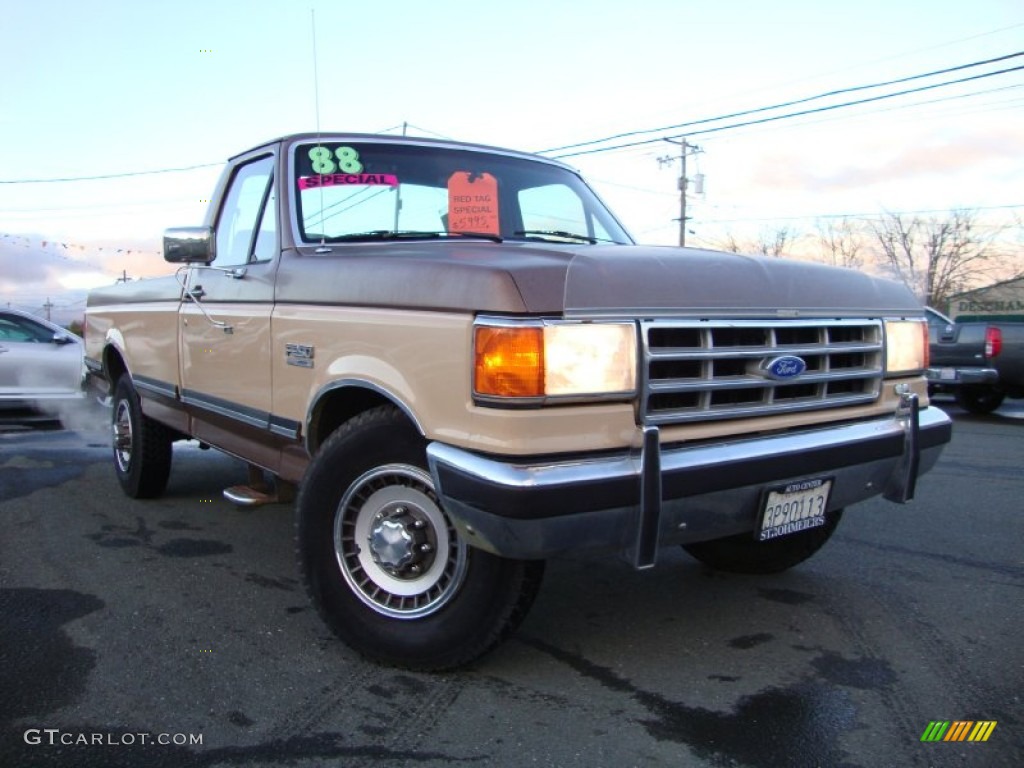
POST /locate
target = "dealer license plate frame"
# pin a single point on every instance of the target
(807, 501)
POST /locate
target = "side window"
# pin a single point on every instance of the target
(19, 329)
(556, 207)
(266, 236)
(247, 224)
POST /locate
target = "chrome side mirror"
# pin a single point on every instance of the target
(187, 245)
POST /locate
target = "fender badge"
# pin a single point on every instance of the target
(783, 368)
(300, 355)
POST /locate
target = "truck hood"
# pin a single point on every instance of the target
(603, 281)
(583, 281)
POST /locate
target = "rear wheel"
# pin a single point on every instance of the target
(745, 554)
(142, 447)
(979, 399)
(387, 570)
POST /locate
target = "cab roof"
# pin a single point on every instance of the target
(332, 136)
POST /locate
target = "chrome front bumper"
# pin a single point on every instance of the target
(656, 495)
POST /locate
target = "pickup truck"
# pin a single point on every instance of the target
(980, 363)
(463, 365)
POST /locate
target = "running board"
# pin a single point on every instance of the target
(258, 491)
(247, 496)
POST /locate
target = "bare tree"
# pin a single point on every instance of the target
(731, 244)
(1015, 265)
(935, 257)
(774, 242)
(842, 242)
(770, 242)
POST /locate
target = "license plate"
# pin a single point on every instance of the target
(794, 507)
(947, 374)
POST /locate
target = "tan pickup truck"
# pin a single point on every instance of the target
(466, 366)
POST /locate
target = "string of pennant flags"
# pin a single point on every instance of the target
(65, 250)
(57, 246)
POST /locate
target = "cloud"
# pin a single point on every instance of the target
(883, 162)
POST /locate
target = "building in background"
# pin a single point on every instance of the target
(1000, 302)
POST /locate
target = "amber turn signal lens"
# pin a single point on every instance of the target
(509, 362)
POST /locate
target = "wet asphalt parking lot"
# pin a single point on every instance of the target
(175, 633)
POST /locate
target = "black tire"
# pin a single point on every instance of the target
(745, 554)
(419, 597)
(142, 447)
(979, 399)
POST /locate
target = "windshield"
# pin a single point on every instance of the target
(351, 191)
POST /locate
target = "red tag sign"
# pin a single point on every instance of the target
(473, 203)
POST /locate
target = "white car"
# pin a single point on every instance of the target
(40, 363)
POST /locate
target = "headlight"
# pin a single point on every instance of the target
(555, 360)
(906, 346)
(589, 359)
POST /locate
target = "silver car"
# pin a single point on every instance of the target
(40, 363)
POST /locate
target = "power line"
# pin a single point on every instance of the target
(109, 175)
(862, 215)
(121, 205)
(787, 116)
(871, 62)
(406, 125)
(431, 133)
(171, 170)
(781, 105)
(985, 108)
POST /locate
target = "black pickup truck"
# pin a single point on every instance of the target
(981, 363)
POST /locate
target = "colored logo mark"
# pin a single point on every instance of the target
(958, 730)
(784, 367)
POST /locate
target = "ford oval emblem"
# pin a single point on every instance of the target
(784, 368)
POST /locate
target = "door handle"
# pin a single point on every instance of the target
(197, 292)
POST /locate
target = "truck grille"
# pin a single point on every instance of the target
(705, 370)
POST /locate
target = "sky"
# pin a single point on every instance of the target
(111, 88)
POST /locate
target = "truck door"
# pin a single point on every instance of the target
(224, 328)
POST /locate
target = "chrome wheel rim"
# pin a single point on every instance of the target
(398, 552)
(122, 426)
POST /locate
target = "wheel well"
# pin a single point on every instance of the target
(339, 405)
(113, 366)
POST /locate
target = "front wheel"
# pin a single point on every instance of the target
(142, 447)
(384, 565)
(745, 554)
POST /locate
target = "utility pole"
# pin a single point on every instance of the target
(47, 306)
(398, 189)
(684, 148)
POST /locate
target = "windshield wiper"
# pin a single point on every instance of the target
(543, 234)
(408, 234)
(479, 235)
